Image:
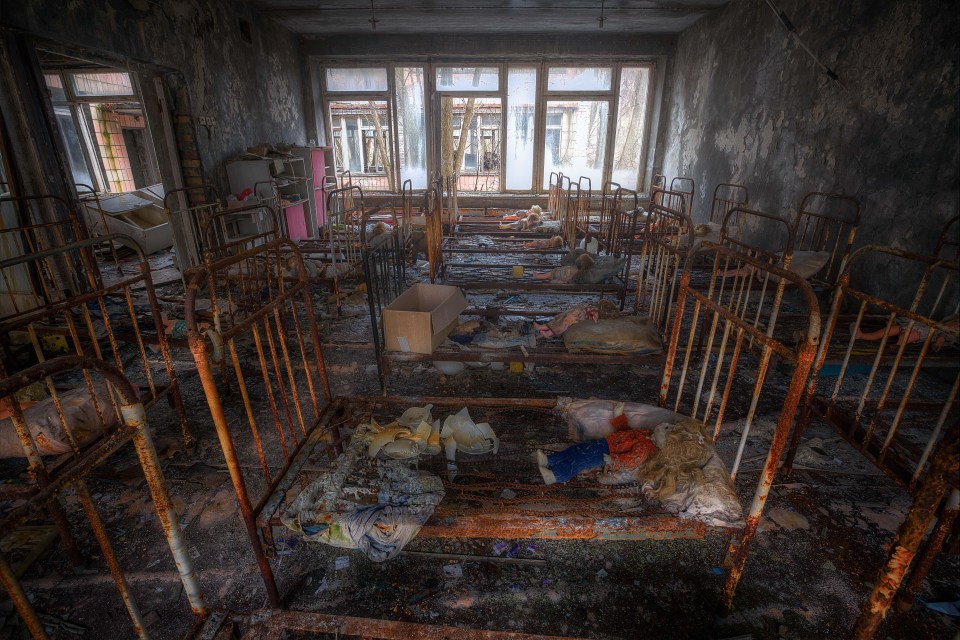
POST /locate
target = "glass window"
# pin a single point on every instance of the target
(55, 85)
(102, 84)
(576, 138)
(631, 126)
(361, 142)
(468, 79)
(470, 140)
(521, 118)
(411, 126)
(357, 79)
(579, 79)
(73, 145)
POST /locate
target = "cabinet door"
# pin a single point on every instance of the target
(318, 165)
(296, 222)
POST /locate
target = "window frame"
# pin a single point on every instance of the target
(432, 96)
(79, 107)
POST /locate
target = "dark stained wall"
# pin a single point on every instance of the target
(747, 105)
(254, 92)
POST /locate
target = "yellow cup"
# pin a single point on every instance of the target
(516, 367)
(518, 271)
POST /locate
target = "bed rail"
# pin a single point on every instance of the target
(189, 224)
(128, 424)
(896, 343)
(263, 343)
(384, 274)
(699, 374)
(667, 239)
(433, 218)
(221, 239)
(894, 401)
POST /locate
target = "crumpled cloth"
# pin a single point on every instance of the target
(364, 503)
(629, 334)
(687, 477)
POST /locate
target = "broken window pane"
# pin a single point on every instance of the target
(361, 142)
(468, 79)
(576, 139)
(411, 127)
(579, 79)
(521, 116)
(364, 79)
(631, 126)
(102, 84)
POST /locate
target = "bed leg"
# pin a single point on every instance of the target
(930, 551)
(944, 465)
(734, 562)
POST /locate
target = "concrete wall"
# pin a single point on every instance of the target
(747, 105)
(253, 91)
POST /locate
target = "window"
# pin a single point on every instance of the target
(411, 126)
(103, 128)
(468, 79)
(470, 141)
(579, 79)
(578, 145)
(499, 127)
(521, 119)
(361, 142)
(631, 127)
(356, 80)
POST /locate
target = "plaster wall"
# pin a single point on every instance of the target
(253, 91)
(747, 105)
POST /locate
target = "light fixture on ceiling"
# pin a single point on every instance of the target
(599, 20)
(373, 17)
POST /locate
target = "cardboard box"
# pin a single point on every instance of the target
(422, 317)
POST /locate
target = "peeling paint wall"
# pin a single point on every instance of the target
(253, 91)
(747, 105)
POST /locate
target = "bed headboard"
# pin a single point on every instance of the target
(827, 222)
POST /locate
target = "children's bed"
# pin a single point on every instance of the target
(122, 419)
(726, 196)
(697, 383)
(262, 344)
(886, 378)
(826, 222)
(68, 308)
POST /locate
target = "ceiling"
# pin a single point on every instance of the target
(335, 17)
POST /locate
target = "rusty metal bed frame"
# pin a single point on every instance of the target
(726, 196)
(265, 345)
(687, 187)
(623, 227)
(560, 202)
(668, 251)
(475, 507)
(905, 427)
(66, 300)
(385, 279)
(55, 481)
(827, 222)
(189, 224)
(667, 239)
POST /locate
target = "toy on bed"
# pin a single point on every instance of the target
(669, 455)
